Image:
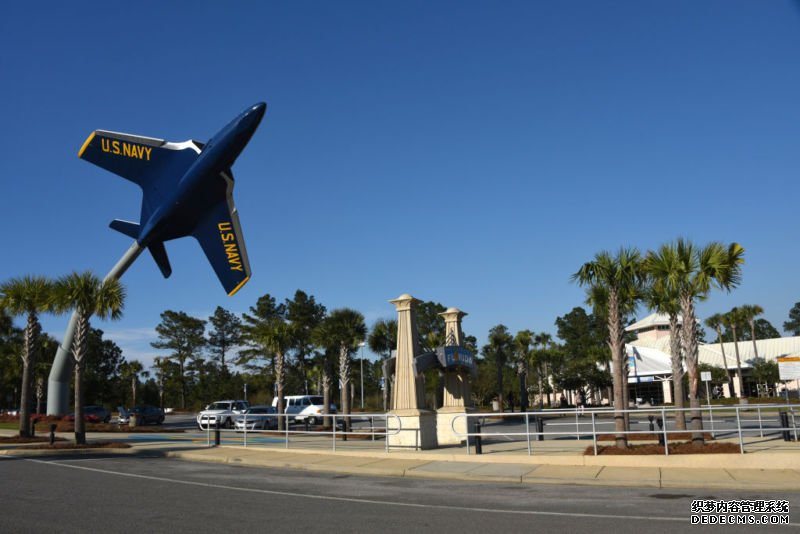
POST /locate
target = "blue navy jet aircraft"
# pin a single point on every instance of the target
(187, 190)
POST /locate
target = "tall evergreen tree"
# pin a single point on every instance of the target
(225, 335)
(183, 336)
(304, 315)
(793, 324)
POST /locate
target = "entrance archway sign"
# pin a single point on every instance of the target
(458, 363)
(187, 191)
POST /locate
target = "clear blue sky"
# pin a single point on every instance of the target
(470, 153)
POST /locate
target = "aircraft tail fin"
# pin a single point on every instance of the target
(128, 228)
(159, 254)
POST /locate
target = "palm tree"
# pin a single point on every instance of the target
(345, 329)
(275, 335)
(664, 299)
(749, 313)
(382, 340)
(499, 348)
(522, 350)
(732, 320)
(693, 274)
(87, 295)
(717, 321)
(621, 278)
(30, 296)
(542, 340)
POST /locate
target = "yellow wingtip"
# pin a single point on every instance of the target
(237, 288)
(86, 143)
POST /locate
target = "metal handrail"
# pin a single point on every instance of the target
(663, 411)
(385, 433)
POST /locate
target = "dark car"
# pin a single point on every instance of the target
(88, 417)
(144, 415)
(98, 411)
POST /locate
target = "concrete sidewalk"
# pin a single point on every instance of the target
(773, 465)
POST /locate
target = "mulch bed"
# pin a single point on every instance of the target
(653, 436)
(34, 439)
(69, 426)
(67, 445)
(686, 447)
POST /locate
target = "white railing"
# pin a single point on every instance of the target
(599, 417)
(337, 430)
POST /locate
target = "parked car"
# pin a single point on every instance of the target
(88, 417)
(144, 414)
(257, 418)
(223, 411)
(101, 413)
(304, 407)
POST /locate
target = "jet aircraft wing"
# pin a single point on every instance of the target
(220, 236)
(153, 164)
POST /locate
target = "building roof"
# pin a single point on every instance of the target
(652, 320)
(711, 353)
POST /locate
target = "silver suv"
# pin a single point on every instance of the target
(223, 411)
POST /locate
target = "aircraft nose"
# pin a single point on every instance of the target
(254, 115)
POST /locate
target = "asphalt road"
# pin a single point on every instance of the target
(164, 495)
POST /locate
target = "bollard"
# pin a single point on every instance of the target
(540, 428)
(478, 444)
(660, 423)
(52, 434)
(216, 434)
(783, 417)
(652, 427)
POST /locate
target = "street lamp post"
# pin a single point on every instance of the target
(362, 373)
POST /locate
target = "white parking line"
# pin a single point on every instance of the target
(615, 517)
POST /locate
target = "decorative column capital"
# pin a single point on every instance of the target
(404, 302)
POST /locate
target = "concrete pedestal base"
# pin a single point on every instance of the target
(417, 430)
(447, 419)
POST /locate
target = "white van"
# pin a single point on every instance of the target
(304, 407)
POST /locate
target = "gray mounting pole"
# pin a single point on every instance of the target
(60, 373)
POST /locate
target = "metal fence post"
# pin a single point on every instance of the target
(528, 432)
(594, 435)
(334, 433)
(469, 431)
(794, 423)
(711, 418)
(739, 428)
(245, 430)
(286, 429)
(666, 437)
(760, 428)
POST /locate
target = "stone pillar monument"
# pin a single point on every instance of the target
(457, 393)
(418, 425)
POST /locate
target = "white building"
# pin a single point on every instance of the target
(649, 360)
